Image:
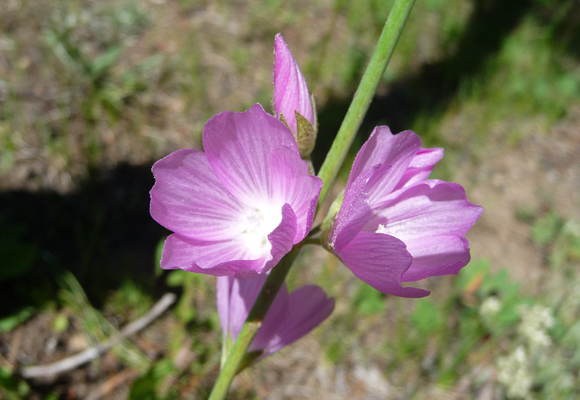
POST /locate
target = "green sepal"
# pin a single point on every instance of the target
(305, 136)
(286, 123)
(314, 113)
(248, 359)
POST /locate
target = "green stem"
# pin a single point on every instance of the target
(364, 94)
(253, 323)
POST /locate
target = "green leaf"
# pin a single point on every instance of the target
(546, 228)
(567, 246)
(368, 300)
(158, 253)
(12, 388)
(99, 66)
(11, 321)
(474, 270)
(176, 277)
(427, 317)
(60, 323)
(500, 284)
(146, 387)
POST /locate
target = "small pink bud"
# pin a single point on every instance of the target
(291, 94)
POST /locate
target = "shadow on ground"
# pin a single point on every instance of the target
(102, 233)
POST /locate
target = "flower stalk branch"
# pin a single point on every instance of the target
(364, 94)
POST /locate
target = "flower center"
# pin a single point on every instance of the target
(258, 223)
(382, 229)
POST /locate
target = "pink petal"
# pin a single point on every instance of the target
(239, 147)
(188, 198)
(429, 208)
(243, 296)
(355, 211)
(273, 321)
(184, 253)
(306, 308)
(436, 255)
(289, 317)
(282, 237)
(380, 260)
(292, 184)
(224, 287)
(385, 148)
(290, 90)
(229, 257)
(420, 167)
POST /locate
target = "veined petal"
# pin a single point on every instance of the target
(436, 255)
(420, 167)
(212, 258)
(290, 89)
(180, 252)
(230, 257)
(243, 296)
(273, 321)
(355, 211)
(188, 198)
(306, 308)
(380, 260)
(239, 147)
(292, 184)
(387, 149)
(428, 208)
(282, 237)
(224, 287)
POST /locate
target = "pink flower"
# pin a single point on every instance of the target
(290, 317)
(395, 225)
(290, 90)
(240, 206)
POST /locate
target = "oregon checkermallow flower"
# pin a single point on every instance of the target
(291, 316)
(238, 207)
(396, 225)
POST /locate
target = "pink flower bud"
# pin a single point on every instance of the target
(290, 91)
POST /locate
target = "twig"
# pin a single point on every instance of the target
(81, 358)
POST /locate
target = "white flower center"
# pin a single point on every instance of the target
(382, 229)
(257, 224)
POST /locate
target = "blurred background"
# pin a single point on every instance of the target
(93, 92)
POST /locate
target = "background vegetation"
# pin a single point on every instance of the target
(92, 93)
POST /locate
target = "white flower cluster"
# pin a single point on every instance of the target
(490, 307)
(535, 322)
(515, 370)
(514, 374)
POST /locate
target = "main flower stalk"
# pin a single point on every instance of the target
(364, 94)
